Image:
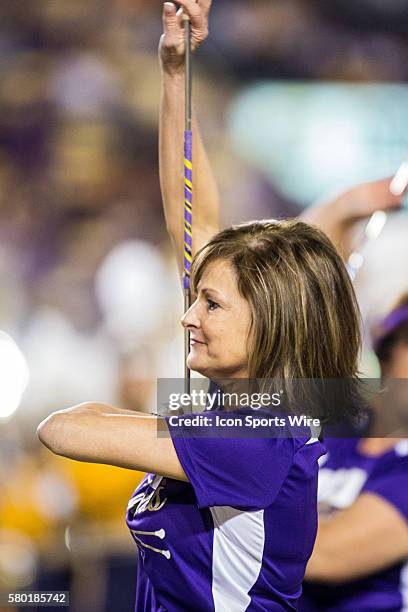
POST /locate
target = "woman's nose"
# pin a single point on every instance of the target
(191, 317)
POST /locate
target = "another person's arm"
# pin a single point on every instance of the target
(339, 217)
(366, 538)
(171, 149)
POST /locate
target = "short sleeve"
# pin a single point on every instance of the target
(242, 472)
(392, 485)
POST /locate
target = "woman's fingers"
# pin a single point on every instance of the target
(171, 20)
(205, 5)
(192, 8)
(198, 14)
(172, 48)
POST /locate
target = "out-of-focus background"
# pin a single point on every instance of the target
(297, 99)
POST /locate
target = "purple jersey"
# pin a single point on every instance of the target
(237, 536)
(345, 474)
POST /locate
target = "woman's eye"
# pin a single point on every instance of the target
(211, 305)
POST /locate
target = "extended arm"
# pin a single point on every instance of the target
(339, 217)
(367, 537)
(98, 433)
(205, 193)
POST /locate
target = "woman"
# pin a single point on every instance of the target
(229, 523)
(358, 558)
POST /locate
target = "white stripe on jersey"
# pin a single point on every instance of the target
(239, 539)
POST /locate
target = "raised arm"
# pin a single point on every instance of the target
(205, 193)
(339, 217)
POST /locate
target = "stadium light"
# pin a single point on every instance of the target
(14, 375)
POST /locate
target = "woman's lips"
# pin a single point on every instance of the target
(193, 341)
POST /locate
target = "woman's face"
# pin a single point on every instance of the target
(219, 322)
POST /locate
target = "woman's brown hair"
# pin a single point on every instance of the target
(305, 318)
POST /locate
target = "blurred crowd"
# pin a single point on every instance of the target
(87, 278)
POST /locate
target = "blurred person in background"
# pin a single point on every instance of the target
(361, 552)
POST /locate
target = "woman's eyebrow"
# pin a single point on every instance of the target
(209, 291)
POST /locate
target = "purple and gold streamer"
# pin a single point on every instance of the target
(188, 203)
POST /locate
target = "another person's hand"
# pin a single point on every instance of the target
(339, 218)
(171, 47)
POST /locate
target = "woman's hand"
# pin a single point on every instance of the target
(171, 47)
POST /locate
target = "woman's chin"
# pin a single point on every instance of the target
(197, 365)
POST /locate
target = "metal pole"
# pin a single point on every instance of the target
(188, 193)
